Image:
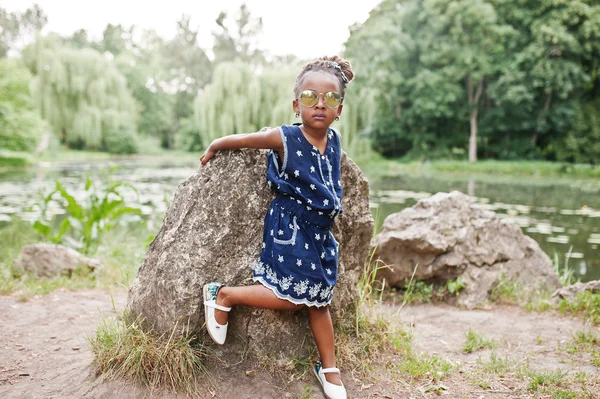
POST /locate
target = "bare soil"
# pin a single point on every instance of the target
(44, 353)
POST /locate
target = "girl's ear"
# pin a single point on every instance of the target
(295, 106)
(339, 110)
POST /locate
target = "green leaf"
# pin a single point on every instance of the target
(41, 228)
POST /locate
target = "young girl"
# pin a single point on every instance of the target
(298, 261)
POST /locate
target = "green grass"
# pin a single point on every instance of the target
(123, 350)
(475, 341)
(376, 165)
(15, 159)
(586, 304)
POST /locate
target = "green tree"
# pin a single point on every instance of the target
(239, 100)
(82, 96)
(241, 44)
(20, 125)
(17, 28)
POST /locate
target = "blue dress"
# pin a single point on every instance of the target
(299, 256)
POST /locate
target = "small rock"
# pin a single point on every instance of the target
(75, 348)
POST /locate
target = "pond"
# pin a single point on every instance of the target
(563, 216)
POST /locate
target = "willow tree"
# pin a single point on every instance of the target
(82, 96)
(240, 100)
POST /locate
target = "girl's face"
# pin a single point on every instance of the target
(319, 116)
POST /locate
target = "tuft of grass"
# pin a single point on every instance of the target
(586, 304)
(546, 379)
(496, 365)
(507, 291)
(15, 159)
(476, 341)
(122, 349)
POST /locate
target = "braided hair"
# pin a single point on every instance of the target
(338, 67)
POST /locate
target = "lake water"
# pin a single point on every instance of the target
(563, 216)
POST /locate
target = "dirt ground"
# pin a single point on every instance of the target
(44, 352)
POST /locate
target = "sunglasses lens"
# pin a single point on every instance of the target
(308, 98)
(332, 99)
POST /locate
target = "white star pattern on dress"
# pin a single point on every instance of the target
(285, 176)
(313, 187)
(280, 258)
(280, 232)
(317, 236)
(299, 262)
(322, 255)
(298, 189)
(333, 251)
(325, 202)
(309, 201)
(328, 271)
(264, 245)
(312, 266)
(299, 153)
(339, 183)
(296, 173)
(306, 246)
(290, 226)
(312, 169)
(271, 232)
(308, 208)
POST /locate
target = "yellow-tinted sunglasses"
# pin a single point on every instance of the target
(310, 98)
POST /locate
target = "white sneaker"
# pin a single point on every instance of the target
(332, 391)
(218, 332)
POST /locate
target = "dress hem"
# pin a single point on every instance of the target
(288, 297)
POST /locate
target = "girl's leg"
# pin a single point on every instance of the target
(257, 296)
(322, 328)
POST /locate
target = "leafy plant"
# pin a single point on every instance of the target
(86, 220)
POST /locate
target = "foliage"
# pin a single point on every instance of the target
(17, 27)
(87, 219)
(522, 77)
(240, 101)
(81, 94)
(20, 125)
(240, 45)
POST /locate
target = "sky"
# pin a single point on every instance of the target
(307, 28)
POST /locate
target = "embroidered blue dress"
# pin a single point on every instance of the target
(299, 256)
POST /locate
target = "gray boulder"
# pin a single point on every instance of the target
(447, 236)
(571, 291)
(48, 260)
(212, 231)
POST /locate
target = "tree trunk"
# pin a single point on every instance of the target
(542, 118)
(474, 102)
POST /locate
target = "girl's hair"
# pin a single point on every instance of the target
(335, 65)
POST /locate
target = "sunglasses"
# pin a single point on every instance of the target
(309, 98)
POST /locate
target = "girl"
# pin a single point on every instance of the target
(298, 261)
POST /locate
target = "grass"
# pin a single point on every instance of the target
(475, 341)
(123, 350)
(377, 166)
(15, 159)
(586, 304)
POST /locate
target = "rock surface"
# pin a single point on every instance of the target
(48, 260)
(212, 231)
(571, 291)
(447, 236)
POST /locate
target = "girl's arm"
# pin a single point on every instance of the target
(270, 139)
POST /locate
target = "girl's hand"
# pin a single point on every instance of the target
(208, 154)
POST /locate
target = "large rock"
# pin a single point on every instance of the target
(447, 236)
(48, 260)
(212, 231)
